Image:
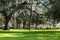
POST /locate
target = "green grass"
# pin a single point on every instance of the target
(30, 35)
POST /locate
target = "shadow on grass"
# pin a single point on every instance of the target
(29, 38)
(39, 35)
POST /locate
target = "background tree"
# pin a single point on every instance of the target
(54, 12)
(8, 8)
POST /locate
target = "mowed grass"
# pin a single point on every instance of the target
(30, 35)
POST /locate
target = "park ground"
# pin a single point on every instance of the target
(29, 34)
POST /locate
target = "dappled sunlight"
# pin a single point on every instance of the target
(11, 35)
(7, 35)
(46, 35)
(55, 36)
(48, 38)
(41, 38)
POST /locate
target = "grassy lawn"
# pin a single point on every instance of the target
(30, 35)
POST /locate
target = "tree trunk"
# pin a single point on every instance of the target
(54, 26)
(23, 25)
(15, 25)
(36, 24)
(36, 21)
(6, 24)
(30, 15)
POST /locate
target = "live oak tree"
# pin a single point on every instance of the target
(8, 8)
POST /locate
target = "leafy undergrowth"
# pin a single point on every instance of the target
(30, 35)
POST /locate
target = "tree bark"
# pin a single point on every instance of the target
(24, 24)
(54, 26)
(6, 24)
(7, 19)
(15, 25)
(30, 15)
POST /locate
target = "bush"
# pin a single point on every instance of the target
(57, 27)
(48, 27)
